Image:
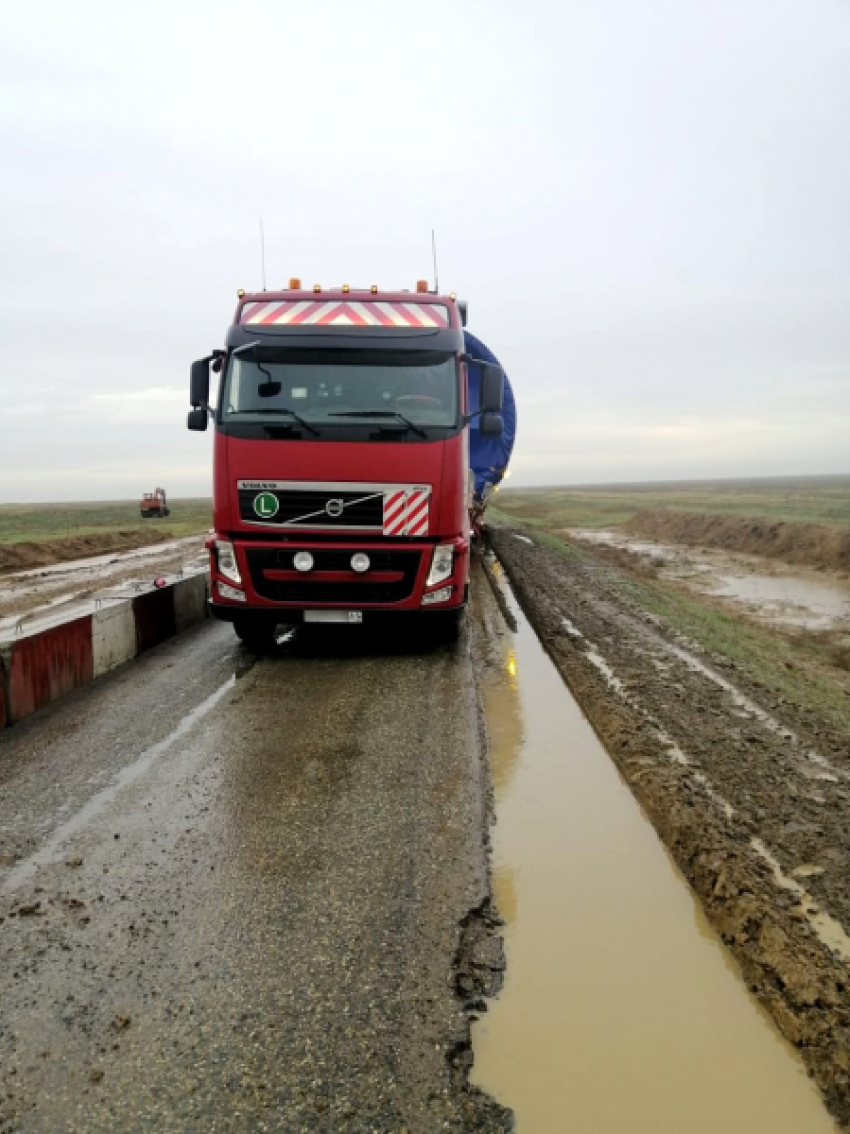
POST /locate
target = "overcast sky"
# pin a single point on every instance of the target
(645, 202)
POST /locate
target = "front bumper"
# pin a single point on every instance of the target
(396, 579)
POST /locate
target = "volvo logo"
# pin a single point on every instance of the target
(334, 508)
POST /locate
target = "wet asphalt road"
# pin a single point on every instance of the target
(230, 891)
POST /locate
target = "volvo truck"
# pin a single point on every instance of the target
(343, 490)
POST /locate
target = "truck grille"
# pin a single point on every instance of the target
(354, 592)
(309, 508)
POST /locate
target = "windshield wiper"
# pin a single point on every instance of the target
(287, 413)
(381, 413)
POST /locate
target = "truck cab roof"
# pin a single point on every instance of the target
(349, 318)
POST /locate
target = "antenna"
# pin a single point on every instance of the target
(434, 254)
(263, 253)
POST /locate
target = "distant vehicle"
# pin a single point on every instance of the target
(358, 435)
(154, 505)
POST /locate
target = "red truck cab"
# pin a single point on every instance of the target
(341, 486)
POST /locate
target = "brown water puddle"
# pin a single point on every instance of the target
(621, 1013)
(768, 590)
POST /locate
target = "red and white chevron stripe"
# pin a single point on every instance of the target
(406, 512)
(344, 313)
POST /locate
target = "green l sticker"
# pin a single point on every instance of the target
(266, 505)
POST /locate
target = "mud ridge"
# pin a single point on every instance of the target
(498, 596)
(815, 545)
(478, 965)
(29, 556)
(717, 781)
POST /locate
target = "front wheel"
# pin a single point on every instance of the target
(447, 626)
(258, 636)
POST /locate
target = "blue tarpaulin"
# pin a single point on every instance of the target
(488, 456)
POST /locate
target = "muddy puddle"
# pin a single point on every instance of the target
(776, 594)
(621, 1012)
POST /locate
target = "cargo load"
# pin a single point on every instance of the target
(489, 455)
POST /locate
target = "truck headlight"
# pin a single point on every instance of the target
(231, 593)
(442, 564)
(226, 561)
(442, 595)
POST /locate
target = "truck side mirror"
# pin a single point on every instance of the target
(199, 383)
(492, 424)
(492, 386)
(197, 420)
(463, 308)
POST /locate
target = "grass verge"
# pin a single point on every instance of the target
(38, 523)
(822, 500)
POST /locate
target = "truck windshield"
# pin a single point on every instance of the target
(328, 388)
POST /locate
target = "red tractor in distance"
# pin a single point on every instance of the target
(153, 505)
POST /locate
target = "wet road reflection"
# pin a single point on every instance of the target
(621, 1012)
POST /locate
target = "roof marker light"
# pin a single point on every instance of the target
(453, 297)
(345, 289)
(240, 291)
(295, 284)
(317, 287)
(374, 289)
(421, 285)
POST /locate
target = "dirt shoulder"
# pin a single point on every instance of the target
(748, 790)
(26, 556)
(815, 545)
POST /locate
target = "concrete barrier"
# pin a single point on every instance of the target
(113, 637)
(39, 667)
(46, 666)
(190, 601)
(154, 615)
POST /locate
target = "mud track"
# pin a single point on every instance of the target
(749, 794)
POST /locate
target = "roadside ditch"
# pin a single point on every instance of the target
(749, 797)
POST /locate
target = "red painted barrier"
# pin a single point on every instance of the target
(47, 665)
(155, 619)
(40, 667)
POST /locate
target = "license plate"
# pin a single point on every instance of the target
(333, 615)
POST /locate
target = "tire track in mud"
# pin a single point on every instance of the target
(743, 791)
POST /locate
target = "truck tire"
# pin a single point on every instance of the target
(447, 627)
(260, 637)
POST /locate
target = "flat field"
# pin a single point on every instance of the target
(821, 500)
(35, 523)
(36, 535)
